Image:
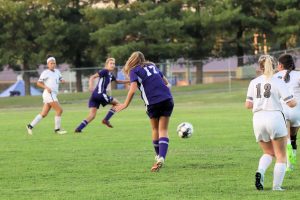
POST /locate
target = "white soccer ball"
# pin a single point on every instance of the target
(185, 130)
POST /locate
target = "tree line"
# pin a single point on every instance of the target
(81, 34)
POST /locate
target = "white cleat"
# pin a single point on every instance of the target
(156, 167)
(278, 189)
(60, 131)
(29, 130)
(156, 158)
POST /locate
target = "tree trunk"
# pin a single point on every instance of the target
(77, 65)
(78, 80)
(26, 78)
(199, 72)
(239, 47)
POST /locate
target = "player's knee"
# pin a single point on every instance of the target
(44, 115)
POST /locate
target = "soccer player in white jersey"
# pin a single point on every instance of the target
(263, 96)
(49, 81)
(286, 68)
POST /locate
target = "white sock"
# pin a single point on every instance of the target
(279, 172)
(57, 120)
(36, 120)
(264, 162)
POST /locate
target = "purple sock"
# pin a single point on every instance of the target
(156, 146)
(82, 125)
(110, 113)
(163, 146)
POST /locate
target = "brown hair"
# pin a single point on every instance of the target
(288, 63)
(135, 59)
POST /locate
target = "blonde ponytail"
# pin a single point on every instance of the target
(267, 65)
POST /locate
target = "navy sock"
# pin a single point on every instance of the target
(110, 113)
(82, 125)
(163, 146)
(156, 146)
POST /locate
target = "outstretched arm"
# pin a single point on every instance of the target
(122, 81)
(91, 81)
(130, 94)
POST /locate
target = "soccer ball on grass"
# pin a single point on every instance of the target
(185, 130)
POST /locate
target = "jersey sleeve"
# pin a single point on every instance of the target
(113, 78)
(250, 92)
(43, 77)
(133, 76)
(103, 72)
(284, 92)
(60, 78)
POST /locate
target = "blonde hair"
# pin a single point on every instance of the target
(267, 65)
(107, 61)
(135, 59)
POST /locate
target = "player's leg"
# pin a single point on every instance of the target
(264, 162)
(38, 118)
(279, 145)
(90, 117)
(57, 119)
(155, 136)
(294, 131)
(110, 113)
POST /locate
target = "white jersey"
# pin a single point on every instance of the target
(265, 94)
(294, 84)
(292, 114)
(51, 79)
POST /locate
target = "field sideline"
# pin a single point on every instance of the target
(218, 162)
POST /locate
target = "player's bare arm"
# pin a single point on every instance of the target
(91, 81)
(42, 85)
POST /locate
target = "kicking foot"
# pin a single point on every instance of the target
(107, 123)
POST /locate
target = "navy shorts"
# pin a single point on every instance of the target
(164, 108)
(97, 99)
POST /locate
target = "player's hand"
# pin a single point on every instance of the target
(48, 89)
(120, 107)
(90, 89)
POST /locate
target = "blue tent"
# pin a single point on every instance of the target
(18, 89)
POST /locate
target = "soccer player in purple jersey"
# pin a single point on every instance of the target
(158, 100)
(99, 95)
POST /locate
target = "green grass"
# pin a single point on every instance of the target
(218, 162)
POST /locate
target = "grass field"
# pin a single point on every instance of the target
(218, 162)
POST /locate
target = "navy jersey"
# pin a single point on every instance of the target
(150, 82)
(105, 77)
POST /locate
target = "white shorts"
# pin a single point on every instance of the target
(269, 125)
(49, 97)
(293, 114)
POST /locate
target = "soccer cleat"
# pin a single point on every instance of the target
(156, 167)
(278, 189)
(107, 123)
(77, 131)
(259, 181)
(29, 129)
(290, 154)
(289, 167)
(60, 131)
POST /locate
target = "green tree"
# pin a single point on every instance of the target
(23, 25)
(287, 28)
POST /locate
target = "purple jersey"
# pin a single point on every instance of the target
(105, 77)
(150, 83)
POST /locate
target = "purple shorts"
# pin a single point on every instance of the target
(97, 99)
(164, 108)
